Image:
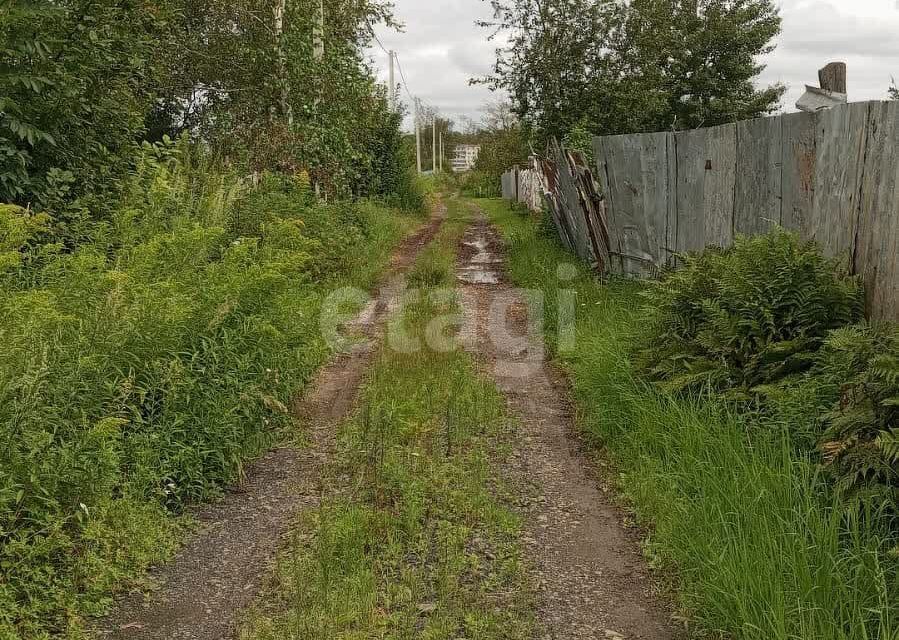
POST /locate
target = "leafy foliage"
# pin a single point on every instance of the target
(502, 140)
(861, 440)
(76, 78)
(82, 82)
(142, 369)
(746, 521)
(644, 65)
(740, 318)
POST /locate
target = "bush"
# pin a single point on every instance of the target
(411, 193)
(747, 525)
(740, 318)
(861, 439)
(478, 184)
(143, 369)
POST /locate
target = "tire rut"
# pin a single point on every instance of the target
(219, 572)
(591, 579)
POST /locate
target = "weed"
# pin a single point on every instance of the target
(143, 369)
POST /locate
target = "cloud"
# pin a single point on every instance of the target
(863, 33)
(442, 48)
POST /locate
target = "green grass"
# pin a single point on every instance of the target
(143, 369)
(418, 542)
(757, 544)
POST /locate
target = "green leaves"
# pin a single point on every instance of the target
(141, 370)
(644, 65)
(72, 103)
(860, 443)
(749, 316)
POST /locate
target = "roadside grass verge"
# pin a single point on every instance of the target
(415, 539)
(758, 544)
(142, 370)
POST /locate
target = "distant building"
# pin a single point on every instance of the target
(465, 157)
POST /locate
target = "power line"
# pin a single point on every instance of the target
(403, 76)
(396, 56)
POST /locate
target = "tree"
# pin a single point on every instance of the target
(610, 67)
(502, 141)
(76, 78)
(83, 82)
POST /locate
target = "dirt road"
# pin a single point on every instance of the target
(591, 578)
(219, 572)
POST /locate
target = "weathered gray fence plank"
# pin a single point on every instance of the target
(635, 170)
(759, 170)
(832, 176)
(840, 147)
(671, 202)
(706, 161)
(569, 200)
(798, 178)
(877, 251)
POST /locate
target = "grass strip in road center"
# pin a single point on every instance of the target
(415, 538)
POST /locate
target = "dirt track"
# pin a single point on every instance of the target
(591, 578)
(219, 572)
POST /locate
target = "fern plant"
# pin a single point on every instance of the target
(751, 315)
(861, 442)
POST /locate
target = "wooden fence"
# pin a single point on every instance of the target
(832, 176)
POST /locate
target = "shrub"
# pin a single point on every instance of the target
(861, 439)
(739, 318)
(410, 192)
(144, 367)
(479, 184)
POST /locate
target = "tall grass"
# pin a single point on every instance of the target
(143, 367)
(758, 544)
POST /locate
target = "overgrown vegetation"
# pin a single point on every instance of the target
(750, 315)
(765, 532)
(861, 438)
(83, 82)
(163, 260)
(416, 541)
(143, 368)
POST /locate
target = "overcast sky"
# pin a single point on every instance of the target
(442, 48)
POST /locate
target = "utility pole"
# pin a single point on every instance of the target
(441, 152)
(418, 134)
(318, 53)
(392, 87)
(434, 142)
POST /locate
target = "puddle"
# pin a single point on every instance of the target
(479, 268)
(477, 275)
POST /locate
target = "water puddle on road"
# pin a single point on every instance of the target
(482, 266)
